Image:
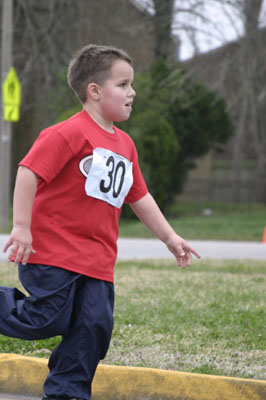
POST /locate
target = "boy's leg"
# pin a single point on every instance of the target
(73, 363)
(46, 311)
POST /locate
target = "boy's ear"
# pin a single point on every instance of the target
(93, 91)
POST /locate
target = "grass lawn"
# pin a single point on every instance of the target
(210, 318)
(231, 222)
(226, 222)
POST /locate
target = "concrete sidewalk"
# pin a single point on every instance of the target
(211, 249)
(140, 249)
(22, 375)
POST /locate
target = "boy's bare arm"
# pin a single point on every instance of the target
(149, 213)
(20, 240)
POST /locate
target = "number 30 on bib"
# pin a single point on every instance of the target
(110, 177)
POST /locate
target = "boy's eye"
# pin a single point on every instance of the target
(123, 84)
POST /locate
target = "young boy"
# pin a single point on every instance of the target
(69, 191)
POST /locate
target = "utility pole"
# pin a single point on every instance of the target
(5, 127)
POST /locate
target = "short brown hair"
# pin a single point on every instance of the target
(92, 64)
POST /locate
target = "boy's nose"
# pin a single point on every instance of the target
(132, 93)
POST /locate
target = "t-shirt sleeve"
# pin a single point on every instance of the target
(139, 187)
(48, 155)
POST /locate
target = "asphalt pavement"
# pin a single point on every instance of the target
(141, 249)
(7, 396)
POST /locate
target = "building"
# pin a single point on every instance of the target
(216, 177)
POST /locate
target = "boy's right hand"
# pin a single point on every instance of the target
(20, 244)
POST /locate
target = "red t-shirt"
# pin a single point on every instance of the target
(85, 175)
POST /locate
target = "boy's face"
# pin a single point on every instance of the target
(116, 93)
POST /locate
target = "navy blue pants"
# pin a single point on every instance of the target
(61, 302)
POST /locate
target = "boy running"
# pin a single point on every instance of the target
(69, 191)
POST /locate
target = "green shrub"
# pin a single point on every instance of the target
(176, 119)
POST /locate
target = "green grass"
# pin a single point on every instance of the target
(210, 318)
(227, 222)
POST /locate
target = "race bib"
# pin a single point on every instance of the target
(109, 177)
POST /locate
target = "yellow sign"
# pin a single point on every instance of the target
(11, 96)
(11, 113)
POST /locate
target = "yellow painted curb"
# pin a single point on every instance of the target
(25, 376)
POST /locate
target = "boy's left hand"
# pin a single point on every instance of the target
(181, 250)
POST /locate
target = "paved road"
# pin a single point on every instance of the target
(7, 396)
(152, 248)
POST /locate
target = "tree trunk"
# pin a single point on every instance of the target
(251, 112)
(163, 27)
